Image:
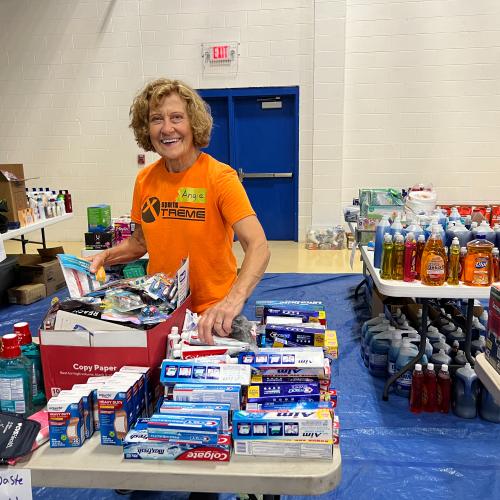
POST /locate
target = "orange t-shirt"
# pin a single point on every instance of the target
(191, 213)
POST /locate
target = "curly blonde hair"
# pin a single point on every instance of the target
(150, 96)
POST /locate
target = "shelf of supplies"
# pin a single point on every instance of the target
(488, 376)
(416, 289)
(97, 466)
(42, 224)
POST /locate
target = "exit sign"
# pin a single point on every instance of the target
(220, 52)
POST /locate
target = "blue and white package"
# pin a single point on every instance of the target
(148, 386)
(116, 412)
(66, 427)
(303, 425)
(182, 429)
(306, 334)
(297, 304)
(209, 393)
(297, 357)
(290, 312)
(196, 371)
(281, 392)
(85, 393)
(203, 409)
(77, 275)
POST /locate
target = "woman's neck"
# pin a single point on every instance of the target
(180, 165)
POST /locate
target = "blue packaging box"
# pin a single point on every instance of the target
(204, 409)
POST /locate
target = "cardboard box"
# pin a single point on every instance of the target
(27, 294)
(98, 241)
(99, 218)
(71, 357)
(13, 189)
(42, 269)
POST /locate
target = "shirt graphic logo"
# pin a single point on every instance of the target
(191, 195)
(151, 209)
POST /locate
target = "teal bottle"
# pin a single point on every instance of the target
(32, 351)
(15, 378)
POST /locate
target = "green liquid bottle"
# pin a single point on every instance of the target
(32, 351)
(15, 378)
(454, 263)
(387, 250)
(398, 257)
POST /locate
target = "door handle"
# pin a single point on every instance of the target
(263, 175)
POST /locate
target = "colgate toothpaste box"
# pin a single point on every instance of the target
(136, 445)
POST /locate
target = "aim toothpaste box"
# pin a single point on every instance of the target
(184, 429)
(66, 427)
(209, 393)
(284, 449)
(136, 445)
(302, 425)
(203, 409)
(195, 371)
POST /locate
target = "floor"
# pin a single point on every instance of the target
(286, 257)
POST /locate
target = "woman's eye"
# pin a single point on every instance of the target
(176, 118)
(155, 119)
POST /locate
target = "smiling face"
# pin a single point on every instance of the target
(171, 133)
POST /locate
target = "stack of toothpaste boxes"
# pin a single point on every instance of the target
(290, 405)
(109, 405)
(193, 420)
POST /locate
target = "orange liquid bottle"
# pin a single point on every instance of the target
(434, 261)
(479, 263)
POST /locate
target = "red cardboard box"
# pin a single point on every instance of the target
(64, 365)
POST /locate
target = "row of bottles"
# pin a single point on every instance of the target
(467, 396)
(478, 264)
(46, 204)
(21, 379)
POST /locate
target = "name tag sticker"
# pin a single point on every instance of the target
(15, 484)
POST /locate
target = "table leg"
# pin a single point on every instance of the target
(43, 238)
(468, 331)
(417, 358)
(23, 243)
(358, 288)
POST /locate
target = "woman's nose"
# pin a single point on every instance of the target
(167, 127)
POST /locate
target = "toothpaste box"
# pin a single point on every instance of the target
(290, 312)
(136, 445)
(284, 449)
(66, 427)
(281, 392)
(299, 406)
(210, 393)
(303, 425)
(149, 396)
(292, 335)
(296, 357)
(194, 371)
(184, 429)
(331, 345)
(204, 409)
(316, 305)
(322, 374)
(116, 410)
(88, 410)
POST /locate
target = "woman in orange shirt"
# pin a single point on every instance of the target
(189, 204)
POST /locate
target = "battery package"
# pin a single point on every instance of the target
(194, 371)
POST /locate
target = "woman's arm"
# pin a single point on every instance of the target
(131, 249)
(218, 319)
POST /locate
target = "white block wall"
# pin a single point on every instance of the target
(422, 99)
(391, 93)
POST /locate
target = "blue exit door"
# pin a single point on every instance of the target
(256, 132)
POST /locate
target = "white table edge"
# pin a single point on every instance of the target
(488, 376)
(42, 224)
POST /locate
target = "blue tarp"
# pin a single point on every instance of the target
(387, 452)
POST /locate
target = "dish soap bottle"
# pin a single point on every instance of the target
(15, 378)
(478, 263)
(433, 267)
(32, 351)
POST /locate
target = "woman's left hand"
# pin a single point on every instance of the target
(218, 319)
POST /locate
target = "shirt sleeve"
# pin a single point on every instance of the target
(232, 200)
(136, 212)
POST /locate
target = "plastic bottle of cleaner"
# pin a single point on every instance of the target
(15, 378)
(382, 327)
(455, 346)
(478, 263)
(371, 322)
(443, 390)
(407, 352)
(429, 393)
(68, 204)
(433, 268)
(483, 319)
(415, 228)
(417, 385)
(398, 257)
(484, 230)
(441, 358)
(460, 358)
(454, 263)
(379, 348)
(396, 226)
(418, 256)
(410, 258)
(434, 335)
(414, 338)
(489, 409)
(478, 346)
(383, 227)
(387, 251)
(461, 266)
(448, 327)
(393, 353)
(459, 335)
(495, 256)
(465, 392)
(441, 346)
(454, 215)
(32, 352)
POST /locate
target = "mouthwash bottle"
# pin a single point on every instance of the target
(32, 351)
(15, 378)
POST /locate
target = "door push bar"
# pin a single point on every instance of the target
(264, 175)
